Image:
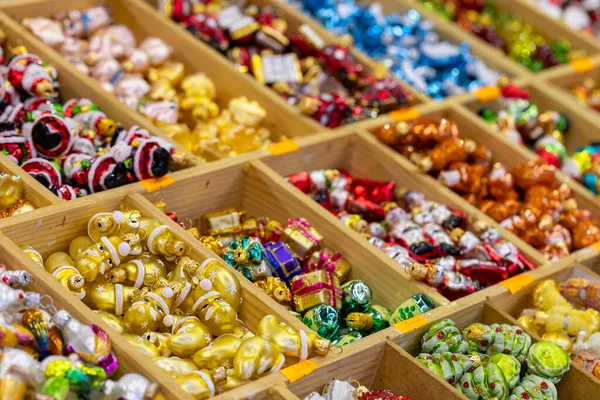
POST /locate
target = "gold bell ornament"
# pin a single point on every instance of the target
(290, 341)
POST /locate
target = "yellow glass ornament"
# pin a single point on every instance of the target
(546, 295)
(61, 266)
(11, 190)
(199, 384)
(33, 254)
(141, 271)
(528, 323)
(559, 338)
(170, 71)
(565, 319)
(290, 341)
(101, 257)
(148, 313)
(114, 299)
(199, 85)
(124, 224)
(175, 366)
(255, 357)
(160, 240)
(188, 336)
(142, 345)
(111, 320)
(211, 308)
(219, 354)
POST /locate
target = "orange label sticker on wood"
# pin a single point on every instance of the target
(488, 93)
(582, 64)
(517, 283)
(404, 114)
(285, 146)
(154, 184)
(410, 324)
(299, 370)
(596, 246)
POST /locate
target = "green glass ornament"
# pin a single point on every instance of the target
(375, 318)
(534, 388)
(548, 360)
(57, 387)
(485, 382)
(357, 296)
(448, 366)
(495, 338)
(323, 319)
(510, 366)
(443, 337)
(415, 305)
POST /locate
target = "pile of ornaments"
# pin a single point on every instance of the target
(290, 263)
(587, 92)
(508, 32)
(345, 390)
(181, 313)
(568, 314)
(526, 199)
(146, 78)
(323, 80)
(47, 352)
(522, 122)
(11, 196)
(73, 149)
(494, 361)
(428, 239)
(405, 43)
(581, 15)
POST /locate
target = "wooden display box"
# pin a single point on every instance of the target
(145, 22)
(575, 384)
(63, 223)
(361, 156)
(260, 192)
(383, 366)
(515, 304)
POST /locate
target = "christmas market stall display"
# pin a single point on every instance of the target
(410, 45)
(521, 35)
(318, 74)
(578, 15)
(190, 315)
(525, 195)
(418, 229)
(249, 218)
(151, 72)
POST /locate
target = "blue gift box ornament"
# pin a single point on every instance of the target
(282, 261)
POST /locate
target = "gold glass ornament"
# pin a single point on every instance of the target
(101, 257)
(148, 313)
(199, 384)
(61, 266)
(124, 224)
(33, 254)
(159, 240)
(211, 308)
(175, 366)
(111, 320)
(199, 85)
(546, 295)
(20, 207)
(290, 341)
(219, 354)
(11, 190)
(141, 271)
(142, 345)
(113, 299)
(188, 336)
(255, 357)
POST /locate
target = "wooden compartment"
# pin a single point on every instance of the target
(145, 22)
(575, 384)
(560, 271)
(494, 59)
(383, 366)
(361, 155)
(62, 223)
(257, 190)
(549, 27)
(505, 152)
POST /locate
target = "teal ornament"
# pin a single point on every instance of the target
(357, 296)
(243, 255)
(442, 337)
(533, 387)
(323, 319)
(485, 382)
(548, 360)
(510, 366)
